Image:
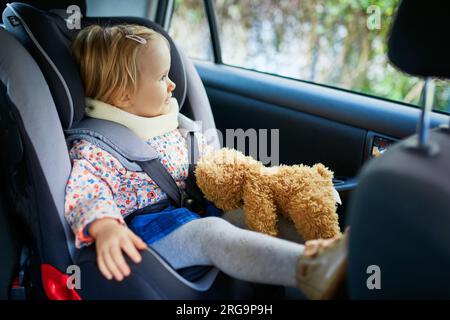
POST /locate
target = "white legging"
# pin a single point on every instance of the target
(240, 253)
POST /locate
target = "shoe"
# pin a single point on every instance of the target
(322, 267)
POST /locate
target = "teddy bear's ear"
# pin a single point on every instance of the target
(323, 171)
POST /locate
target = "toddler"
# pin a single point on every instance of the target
(125, 69)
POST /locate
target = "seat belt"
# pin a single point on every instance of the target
(195, 200)
(163, 179)
(190, 197)
(136, 155)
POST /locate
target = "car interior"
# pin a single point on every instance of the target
(396, 203)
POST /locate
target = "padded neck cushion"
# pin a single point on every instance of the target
(418, 42)
(48, 39)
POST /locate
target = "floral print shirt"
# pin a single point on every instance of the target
(100, 187)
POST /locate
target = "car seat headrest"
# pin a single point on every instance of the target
(418, 42)
(50, 4)
(48, 39)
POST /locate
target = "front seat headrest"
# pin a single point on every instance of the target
(48, 39)
(419, 39)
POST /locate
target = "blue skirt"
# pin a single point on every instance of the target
(152, 227)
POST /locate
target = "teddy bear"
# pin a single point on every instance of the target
(303, 194)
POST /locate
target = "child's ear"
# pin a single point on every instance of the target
(124, 101)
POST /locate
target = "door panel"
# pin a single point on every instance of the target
(304, 138)
(316, 123)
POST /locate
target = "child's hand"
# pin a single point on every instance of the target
(111, 238)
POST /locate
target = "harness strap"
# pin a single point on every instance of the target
(158, 173)
(136, 155)
(157, 207)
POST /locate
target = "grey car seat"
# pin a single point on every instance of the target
(42, 96)
(400, 212)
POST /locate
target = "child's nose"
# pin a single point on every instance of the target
(171, 86)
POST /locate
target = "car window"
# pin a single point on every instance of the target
(190, 30)
(114, 8)
(338, 43)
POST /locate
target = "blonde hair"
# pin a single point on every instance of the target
(106, 57)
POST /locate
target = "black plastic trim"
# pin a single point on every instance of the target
(390, 118)
(213, 28)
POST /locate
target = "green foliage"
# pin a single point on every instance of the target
(321, 41)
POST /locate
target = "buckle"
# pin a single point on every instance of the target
(190, 203)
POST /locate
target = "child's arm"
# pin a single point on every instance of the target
(91, 211)
(89, 191)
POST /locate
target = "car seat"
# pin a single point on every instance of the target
(42, 96)
(400, 212)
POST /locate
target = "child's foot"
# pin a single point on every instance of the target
(321, 268)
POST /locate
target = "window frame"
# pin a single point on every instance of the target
(164, 13)
(210, 11)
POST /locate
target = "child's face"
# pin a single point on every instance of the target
(154, 86)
